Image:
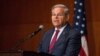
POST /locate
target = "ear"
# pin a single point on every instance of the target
(67, 17)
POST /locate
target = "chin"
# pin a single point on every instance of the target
(57, 26)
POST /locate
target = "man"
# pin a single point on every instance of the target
(61, 40)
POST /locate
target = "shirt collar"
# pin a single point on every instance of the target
(61, 28)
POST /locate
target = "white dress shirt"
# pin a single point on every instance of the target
(60, 31)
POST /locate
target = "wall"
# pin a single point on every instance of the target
(18, 18)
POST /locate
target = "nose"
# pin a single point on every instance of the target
(56, 16)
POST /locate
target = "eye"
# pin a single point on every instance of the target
(60, 14)
(57, 14)
(53, 14)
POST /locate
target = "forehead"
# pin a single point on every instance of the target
(58, 9)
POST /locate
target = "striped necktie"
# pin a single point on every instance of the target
(53, 41)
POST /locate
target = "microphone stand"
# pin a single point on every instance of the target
(24, 39)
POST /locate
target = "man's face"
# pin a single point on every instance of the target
(58, 17)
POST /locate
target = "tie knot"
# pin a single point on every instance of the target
(57, 31)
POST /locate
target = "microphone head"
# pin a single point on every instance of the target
(41, 26)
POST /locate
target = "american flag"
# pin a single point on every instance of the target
(80, 24)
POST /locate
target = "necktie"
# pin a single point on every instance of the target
(53, 41)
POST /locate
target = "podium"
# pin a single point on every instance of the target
(22, 53)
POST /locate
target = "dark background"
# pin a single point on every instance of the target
(18, 18)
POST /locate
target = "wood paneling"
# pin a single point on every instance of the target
(18, 18)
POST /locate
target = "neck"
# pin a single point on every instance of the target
(58, 27)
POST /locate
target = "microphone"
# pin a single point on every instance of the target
(27, 37)
(39, 29)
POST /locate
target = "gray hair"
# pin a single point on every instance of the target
(61, 6)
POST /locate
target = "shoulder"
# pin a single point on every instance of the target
(49, 31)
(73, 30)
(75, 33)
(47, 34)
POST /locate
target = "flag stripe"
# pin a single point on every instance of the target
(80, 24)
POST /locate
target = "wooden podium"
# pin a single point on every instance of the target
(11, 53)
(22, 53)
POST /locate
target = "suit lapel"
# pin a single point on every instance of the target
(63, 35)
(49, 36)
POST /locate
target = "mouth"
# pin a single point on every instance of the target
(56, 20)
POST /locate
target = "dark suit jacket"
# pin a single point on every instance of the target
(68, 44)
